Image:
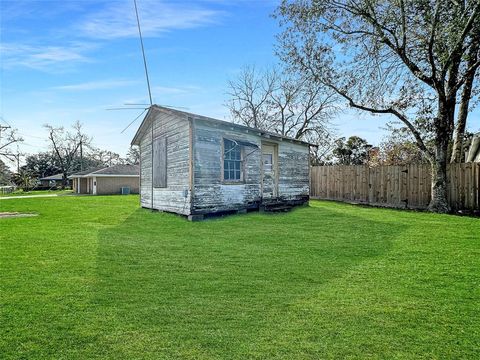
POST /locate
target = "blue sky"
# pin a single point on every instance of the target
(63, 61)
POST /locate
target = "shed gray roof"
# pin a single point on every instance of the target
(53, 177)
(259, 132)
(119, 170)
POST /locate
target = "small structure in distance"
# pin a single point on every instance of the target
(53, 181)
(107, 180)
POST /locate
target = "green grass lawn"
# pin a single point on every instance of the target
(98, 277)
(37, 192)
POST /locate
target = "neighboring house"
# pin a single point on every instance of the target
(107, 180)
(53, 180)
(203, 165)
(473, 153)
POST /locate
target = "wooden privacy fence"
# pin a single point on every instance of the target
(395, 186)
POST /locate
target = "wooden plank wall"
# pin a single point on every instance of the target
(175, 197)
(211, 194)
(160, 162)
(395, 186)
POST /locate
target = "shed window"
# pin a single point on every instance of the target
(160, 162)
(232, 161)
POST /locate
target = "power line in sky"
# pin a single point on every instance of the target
(31, 136)
(5, 121)
(34, 146)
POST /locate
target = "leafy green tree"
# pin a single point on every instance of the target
(353, 151)
(24, 179)
(133, 155)
(5, 174)
(41, 164)
(407, 59)
(98, 157)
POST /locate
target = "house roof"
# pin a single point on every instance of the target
(116, 170)
(89, 171)
(53, 177)
(263, 133)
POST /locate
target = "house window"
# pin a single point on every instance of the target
(232, 161)
(160, 162)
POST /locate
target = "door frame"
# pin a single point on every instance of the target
(274, 166)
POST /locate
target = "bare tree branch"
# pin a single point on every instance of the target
(287, 105)
(403, 58)
(389, 110)
(65, 145)
(431, 41)
(457, 48)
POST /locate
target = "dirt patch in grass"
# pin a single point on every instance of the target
(15, 215)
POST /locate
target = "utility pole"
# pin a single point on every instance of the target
(18, 160)
(81, 155)
(18, 163)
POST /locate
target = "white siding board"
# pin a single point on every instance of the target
(171, 198)
(211, 194)
(294, 170)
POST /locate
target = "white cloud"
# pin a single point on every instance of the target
(44, 57)
(33, 9)
(97, 85)
(178, 90)
(117, 20)
(113, 20)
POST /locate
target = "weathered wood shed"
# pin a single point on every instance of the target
(203, 165)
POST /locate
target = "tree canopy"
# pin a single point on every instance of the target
(352, 151)
(283, 103)
(413, 60)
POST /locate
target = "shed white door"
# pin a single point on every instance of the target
(269, 171)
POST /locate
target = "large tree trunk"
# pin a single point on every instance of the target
(439, 201)
(443, 131)
(457, 149)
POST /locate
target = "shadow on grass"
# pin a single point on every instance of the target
(224, 288)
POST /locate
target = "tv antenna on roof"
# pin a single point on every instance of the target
(149, 95)
(147, 78)
(143, 53)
